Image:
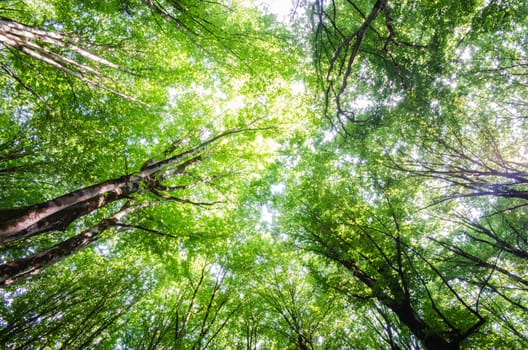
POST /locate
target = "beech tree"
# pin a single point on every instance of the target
(58, 213)
(369, 239)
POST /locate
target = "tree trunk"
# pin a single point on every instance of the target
(12, 271)
(15, 270)
(428, 336)
(58, 213)
(402, 307)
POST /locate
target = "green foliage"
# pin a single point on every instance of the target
(377, 199)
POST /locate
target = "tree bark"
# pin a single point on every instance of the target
(13, 271)
(57, 214)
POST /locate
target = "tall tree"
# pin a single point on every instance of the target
(366, 233)
(163, 179)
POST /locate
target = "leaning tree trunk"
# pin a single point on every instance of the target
(58, 213)
(13, 271)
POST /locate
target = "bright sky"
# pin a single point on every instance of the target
(281, 8)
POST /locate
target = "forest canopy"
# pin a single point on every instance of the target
(182, 174)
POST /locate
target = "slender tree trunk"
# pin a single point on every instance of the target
(54, 49)
(15, 270)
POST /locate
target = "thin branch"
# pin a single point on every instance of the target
(146, 229)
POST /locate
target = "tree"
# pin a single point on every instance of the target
(380, 51)
(369, 238)
(57, 214)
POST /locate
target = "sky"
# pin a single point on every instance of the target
(281, 8)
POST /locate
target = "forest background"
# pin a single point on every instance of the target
(182, 174)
